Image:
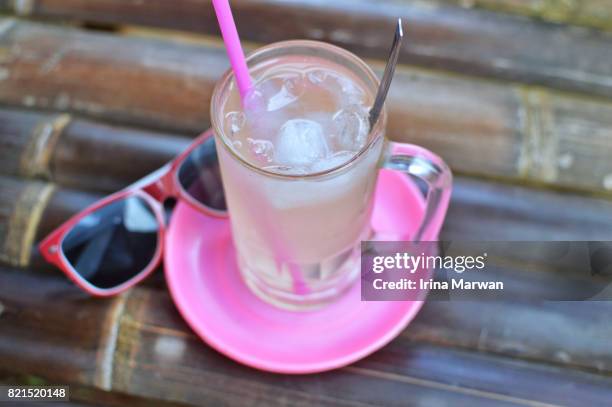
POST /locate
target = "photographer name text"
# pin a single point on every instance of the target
(408, 263)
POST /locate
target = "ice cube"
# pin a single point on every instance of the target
(316, 76)
(300, 142)
(351, 128)
(351, 92)
(235, 121)
(263, 150)
(333, 161)
(345, 90)
(281, 91)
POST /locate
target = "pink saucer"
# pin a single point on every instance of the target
(206, 286)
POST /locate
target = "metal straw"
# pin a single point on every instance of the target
(383, 89)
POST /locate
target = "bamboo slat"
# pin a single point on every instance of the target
(151, 83)
(491, 211)
(79, 153)
(137, 344)
(527, 329)
(110, 157)
(588, 13)
(469, 41)
(481, 128)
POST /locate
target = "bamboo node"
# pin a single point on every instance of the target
(108, 343)
(23, 224)
(36, 158)
(538, 159)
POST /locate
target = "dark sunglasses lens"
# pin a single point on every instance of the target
(113, 244)
(200, 177)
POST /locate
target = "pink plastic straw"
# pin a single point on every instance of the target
(233, 46)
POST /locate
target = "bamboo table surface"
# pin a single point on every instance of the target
(94, 94)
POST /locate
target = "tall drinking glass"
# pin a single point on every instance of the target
(297, 234)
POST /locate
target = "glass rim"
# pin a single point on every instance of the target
(228, 75)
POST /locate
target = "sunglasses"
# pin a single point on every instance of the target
(118, 241)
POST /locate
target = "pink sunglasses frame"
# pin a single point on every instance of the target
(153, 189)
